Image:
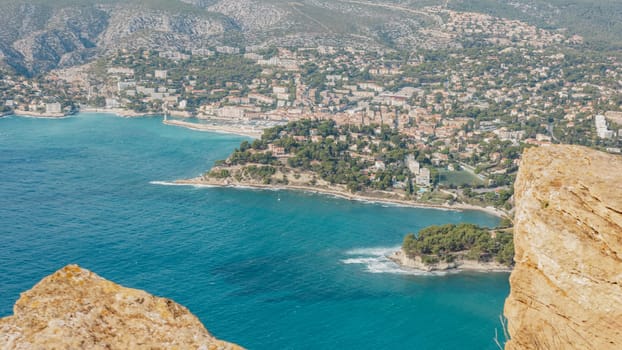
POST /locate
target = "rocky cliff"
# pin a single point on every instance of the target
(40, 35)
(566, 288)
(76, 309)
(402, 259)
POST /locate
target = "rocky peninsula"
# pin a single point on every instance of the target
(76, 309)
(461, 247)
(371, 163)
(566, 287)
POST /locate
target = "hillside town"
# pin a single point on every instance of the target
(468, 110)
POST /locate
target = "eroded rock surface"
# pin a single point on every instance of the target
(566, 287)
(76, 309)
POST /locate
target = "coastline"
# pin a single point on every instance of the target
(400, 258)
(30, 114)
(225, 129)
(120, 112)
(201, 181)
(256, 133)
(232, 129)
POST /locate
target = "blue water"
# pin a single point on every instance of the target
(264, 269)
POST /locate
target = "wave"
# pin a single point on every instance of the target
(376, 251)
(386, 204)
(375, 260)
(169, 183)
(39, 117)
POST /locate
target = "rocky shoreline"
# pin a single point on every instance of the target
(76, 309)
(400, 258)
(336, 192)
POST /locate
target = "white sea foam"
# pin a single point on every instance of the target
(169, 183)
(376, 251)
(383, 203)
(375, 260)
(41, 117)
(246, 188)
(165, 183)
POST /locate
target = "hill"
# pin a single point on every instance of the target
(41, 35)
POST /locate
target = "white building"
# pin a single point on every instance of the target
(423, 179)
(230, 112)
(279, 89)
(54, 107)
(412, 164)
(120, 71)
(124, 85)
(112, 103)
(601, 127)
(160, 74)
(227, 50)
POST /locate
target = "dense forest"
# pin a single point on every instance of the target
(463, 241)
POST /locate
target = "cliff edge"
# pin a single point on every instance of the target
(76, 309)
(566, 287)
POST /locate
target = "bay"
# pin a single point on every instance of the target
(264, 269)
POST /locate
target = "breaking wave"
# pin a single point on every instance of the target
(169, 183)
(375, 260)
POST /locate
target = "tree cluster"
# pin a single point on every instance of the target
(467, 241)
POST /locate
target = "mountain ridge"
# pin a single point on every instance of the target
(41, 36)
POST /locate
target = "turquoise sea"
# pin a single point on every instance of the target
(264, 269)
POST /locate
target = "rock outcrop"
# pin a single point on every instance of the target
(402, 259)
(76, 309)
(566, 287)
(39, 36)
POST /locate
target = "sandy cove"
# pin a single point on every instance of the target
(400, 258)
(337, 192)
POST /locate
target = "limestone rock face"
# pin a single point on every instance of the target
(566, 287)
(76, 309)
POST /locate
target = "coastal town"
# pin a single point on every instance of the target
(373, 163)
(311, 174)
(466, 112)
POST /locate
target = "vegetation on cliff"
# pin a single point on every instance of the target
(375, 159)
(462, 241)
(367, 157)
